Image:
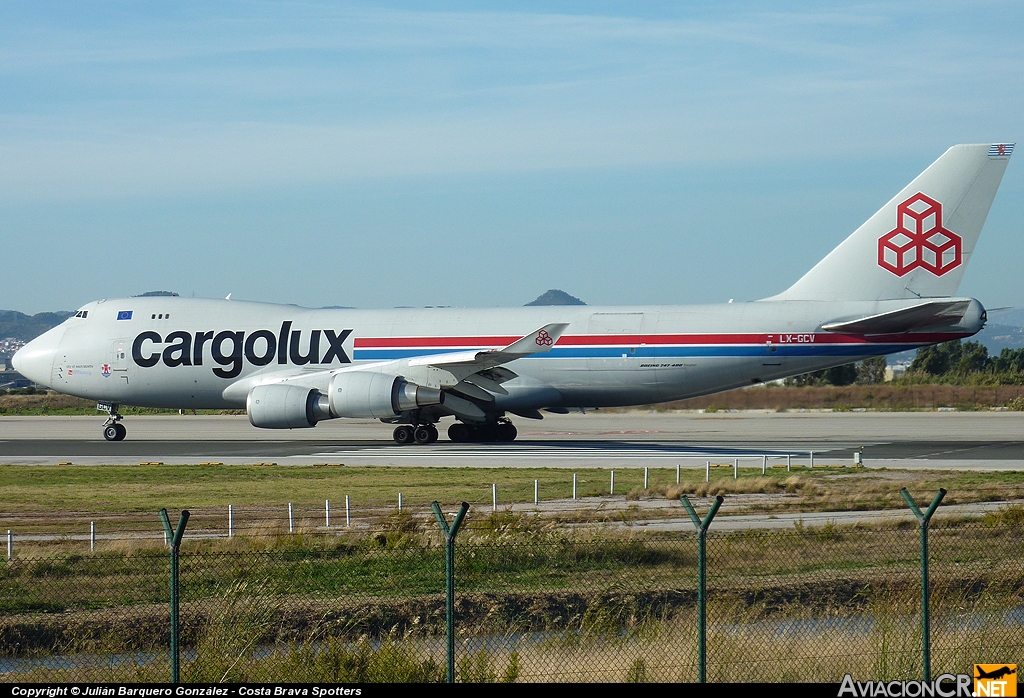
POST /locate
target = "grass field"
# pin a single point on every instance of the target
(540, 597)
(535, 602)
(125, 499)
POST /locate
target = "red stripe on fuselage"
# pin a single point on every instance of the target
(660, 339)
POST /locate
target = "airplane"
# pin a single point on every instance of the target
(888, 287)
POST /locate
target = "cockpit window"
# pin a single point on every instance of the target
(82, 314)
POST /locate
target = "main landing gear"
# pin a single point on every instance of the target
(422, 434)
(113, 430)
(502, 431)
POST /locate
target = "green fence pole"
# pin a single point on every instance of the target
(449, 574)
(174, 537)
(923, 520)
(702, 529)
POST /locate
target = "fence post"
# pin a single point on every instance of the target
(449, 574)
(702, 529)
(175, 538)
(923, 520)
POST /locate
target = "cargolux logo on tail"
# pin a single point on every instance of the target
(919, 240)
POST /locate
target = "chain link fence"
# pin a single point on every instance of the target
(532, 604)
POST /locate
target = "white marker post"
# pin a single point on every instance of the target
(348, 513)
(399, 502)
(327, 512)
(764, 465)
(494, 496)
(735, 468)
(612, 490)
(678, 468)
(574, 486)
(646, 475)
(789, 462)
(812, 459)
(92, 535)
(291, 518)
(536, 492)
(707, 471)
(10, 544)
(231, 520)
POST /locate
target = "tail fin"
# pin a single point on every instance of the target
(918, 244)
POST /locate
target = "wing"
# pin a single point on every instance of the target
(477, 375)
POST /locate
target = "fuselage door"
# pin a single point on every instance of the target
(119, 355)
(616, 339)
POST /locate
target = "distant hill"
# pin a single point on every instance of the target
(153, 294)
(556, 297)
(999, 337)
(1011, 316)
(17, 325)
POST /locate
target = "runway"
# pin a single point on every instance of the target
(954, 440)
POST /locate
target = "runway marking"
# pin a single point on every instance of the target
(574, 452)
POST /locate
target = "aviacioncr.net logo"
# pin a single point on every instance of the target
(919, 240)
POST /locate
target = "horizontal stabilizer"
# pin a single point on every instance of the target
(931, 314)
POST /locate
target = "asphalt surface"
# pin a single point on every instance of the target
(975, 440)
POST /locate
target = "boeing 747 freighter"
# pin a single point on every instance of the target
(889, 287)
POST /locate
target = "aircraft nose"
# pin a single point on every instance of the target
(35, 359)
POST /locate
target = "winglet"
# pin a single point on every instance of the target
(537, 341)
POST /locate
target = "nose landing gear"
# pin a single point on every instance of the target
(113, 430)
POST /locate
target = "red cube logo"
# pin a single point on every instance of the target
(919, 240)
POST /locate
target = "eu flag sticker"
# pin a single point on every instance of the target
(124, 315)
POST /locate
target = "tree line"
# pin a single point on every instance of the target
(955, 363)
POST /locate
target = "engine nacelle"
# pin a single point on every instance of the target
(286, 407)
(377, 395)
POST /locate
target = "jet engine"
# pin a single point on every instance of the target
(351, 394)
(377, 395)
(281, 406)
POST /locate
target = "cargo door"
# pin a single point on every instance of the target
(613, 341)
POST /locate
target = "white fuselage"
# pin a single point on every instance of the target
(200, 353)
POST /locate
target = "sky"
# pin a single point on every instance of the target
(478, 154)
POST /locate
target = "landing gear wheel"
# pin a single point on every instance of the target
(121, 432)
(459, 433)
(403, 435)
(425, 434)
(485, 433)
(110, 432)
(506, 431)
